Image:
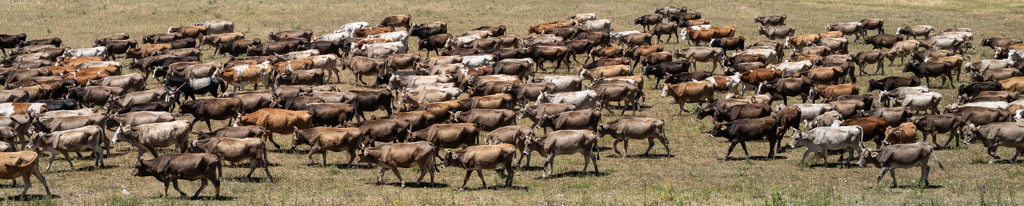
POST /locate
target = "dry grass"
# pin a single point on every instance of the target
(694, 175)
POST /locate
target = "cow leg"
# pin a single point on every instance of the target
(380, 178)
(98, 154)
(586, 161)
(511, 174)
(650, 144)
(271, 138)
(615, 147)
(625, 147)
(882, 175)
(771, 147)
(806, 152)
(52, 154)
(924, 174)
(593, 160)
(178, 189)
(28, 183)
(465, 180)
(399, 175)
(208, 125)
(201, 187)
(824, 155)
(744, 145)
(1015, 154)
(324, 157)
(480, 173)
(731, 146)
(550, 162)
(892, 172)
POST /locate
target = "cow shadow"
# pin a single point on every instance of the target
(29, 197)
(500, 187)
(288, 151)
(530, 168)
(998, 161)
(650, 156)
(246, 165)
(354, 166)
(910, 186)
(575, 174)
(207, 198)
(91, 167)
(413, 184)
(835, 165)
(254, 179)
(756, 158)
(602, 149)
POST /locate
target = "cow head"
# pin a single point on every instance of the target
(868, 156)
(799, 138)
(705, 111)
(971, 132)
(38, 138)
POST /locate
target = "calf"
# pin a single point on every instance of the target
(481, 157)
(401, 155)
(564, 142)
(170, 168)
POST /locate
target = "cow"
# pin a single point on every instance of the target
(486, 119)
(648, 20)
(833, 91)
(900, 156)
(323, 139)
(139, 118)
(787, 87)
(279, 121)
(8, 41)
(22, 164)
(893, 115)
(776, 32)
(588, 119)
(564, 142)
(153, 135)
(192, 166)
(515, 135)
(822, 139)
(8, 109)
(771, 20)
(993, 135)
(931, 69)
(684, 92)
(906, 133)
(823, 120)
(916, 30)
(72, 140)
(702, 54)
(457, 135)
(933, 124)
(893, 82)
(873, 127)
(742, 130)
(396, 21)
(480, 157)
(625, 129)
(212, 109)
(235, 132)
(404, 155)
(919, 101)
(883, 40)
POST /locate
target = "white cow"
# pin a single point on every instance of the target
(478, 60)
(823, 139)
(85, 52)
(349, 28)
(585, 99)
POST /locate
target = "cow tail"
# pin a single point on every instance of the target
(937, 160)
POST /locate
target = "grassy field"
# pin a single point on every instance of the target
(694, 175)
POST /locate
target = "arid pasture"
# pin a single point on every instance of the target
(694, 175)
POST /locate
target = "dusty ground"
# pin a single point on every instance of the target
(694, 175)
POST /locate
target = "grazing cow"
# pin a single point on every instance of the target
(900, 156)
(478, 158)
(906, 133)
(401, 155)
(742, 130)
(823, 139)
(170, 168)
(154, 135)
(22, 164)
(72, 140)
(625, 129)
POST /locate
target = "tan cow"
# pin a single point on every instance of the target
(22, 164)
(564, 142)
(404, 155)
(323, 139)
(512, 134)
(684, 92)
(279, 121)
(73, 140)
(625, 129)
(906, 133)
(481, 157)
(155, 135)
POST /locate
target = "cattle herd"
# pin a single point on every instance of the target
(62, 100)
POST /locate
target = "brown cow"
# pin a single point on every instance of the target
(874, 128)
(22, 164)
(171, 168)
(279, 121)
(396, 20)
(684, 92)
